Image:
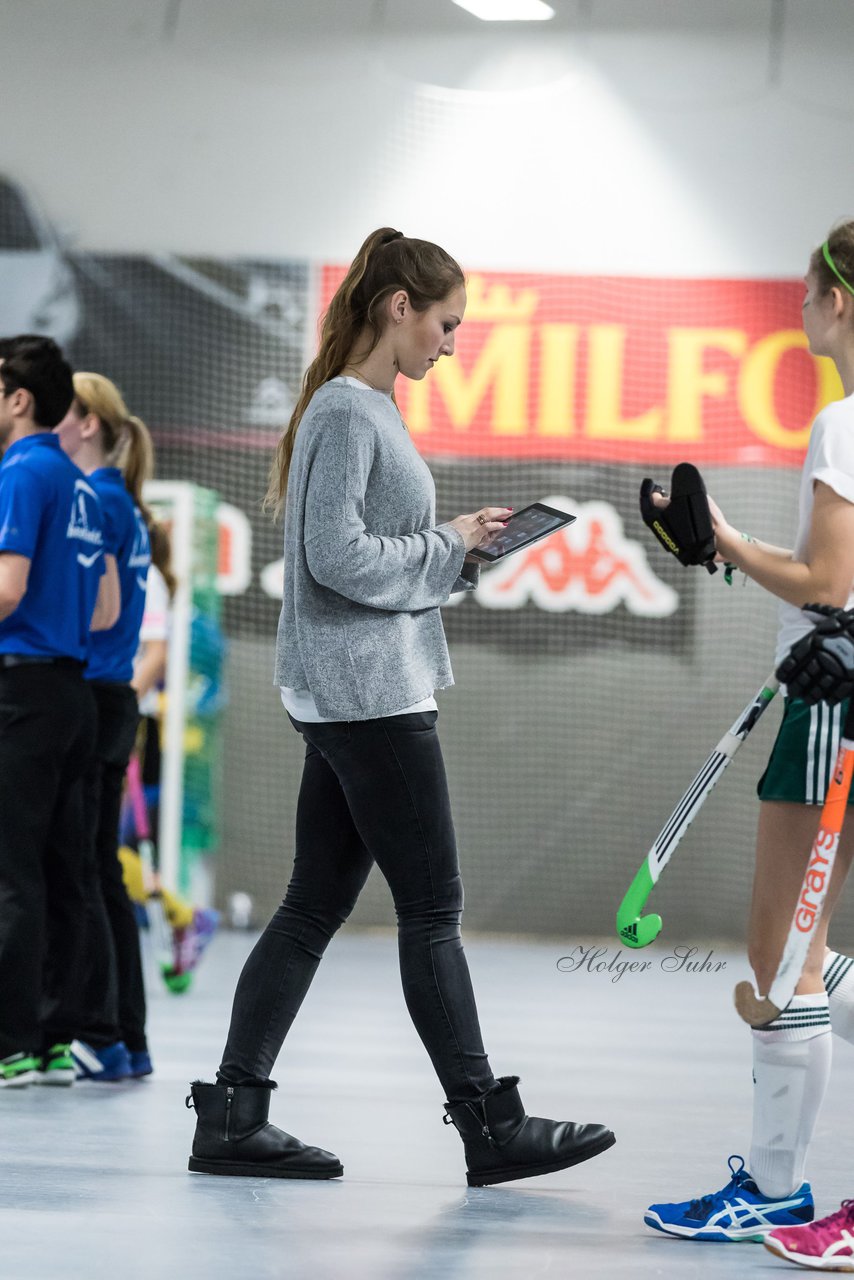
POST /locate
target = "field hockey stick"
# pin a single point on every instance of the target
(634, 929)
(139, 809)
(161, 933)
(758, 1010)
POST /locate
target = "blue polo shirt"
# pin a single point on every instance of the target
(50, 513)
(112, 652)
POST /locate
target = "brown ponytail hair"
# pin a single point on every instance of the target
(126, 439)
(840, 246)
(386, 262)
(161, 554)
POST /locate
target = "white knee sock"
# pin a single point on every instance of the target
(791, 1067)
(838, 973)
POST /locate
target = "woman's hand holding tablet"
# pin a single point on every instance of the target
(523, 528)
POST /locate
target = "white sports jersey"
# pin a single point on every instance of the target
(830, 458)
(155, 626)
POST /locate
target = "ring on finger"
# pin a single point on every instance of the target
(481, 519)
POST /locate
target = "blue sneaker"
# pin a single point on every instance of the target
(140, 1063)
(738, 1212)
(107, 1064)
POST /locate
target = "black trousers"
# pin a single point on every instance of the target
(113, 989)
(47, 730)
(372, 791)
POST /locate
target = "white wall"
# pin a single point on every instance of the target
(683, 136)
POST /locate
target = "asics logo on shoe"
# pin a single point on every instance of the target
(732, 1221)
(742, 1214)
(738, 1211)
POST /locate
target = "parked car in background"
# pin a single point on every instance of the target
(38, 293)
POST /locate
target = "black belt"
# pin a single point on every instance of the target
(36, 660)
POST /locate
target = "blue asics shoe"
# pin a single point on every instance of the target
(738, 1212)
(108, 1064)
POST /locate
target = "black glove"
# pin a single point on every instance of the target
(684, 528)
(820, 666)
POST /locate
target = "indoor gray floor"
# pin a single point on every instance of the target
(94, 1178)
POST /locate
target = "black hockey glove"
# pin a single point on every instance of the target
(684, 528)
(820, 666)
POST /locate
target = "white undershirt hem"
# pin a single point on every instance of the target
(301, 705)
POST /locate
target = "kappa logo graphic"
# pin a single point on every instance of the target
(79, 526)
(589, 566)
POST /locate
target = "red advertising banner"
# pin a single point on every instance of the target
(621, 370)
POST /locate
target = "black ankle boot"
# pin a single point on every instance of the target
(502, 1143)
(234, 1137)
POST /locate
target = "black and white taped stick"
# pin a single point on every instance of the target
(634, 929)
(759, 1010)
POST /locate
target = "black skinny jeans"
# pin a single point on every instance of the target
(372, 791)
(113, 986)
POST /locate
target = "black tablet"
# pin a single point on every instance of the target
(522, 529)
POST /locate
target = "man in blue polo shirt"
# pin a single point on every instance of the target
(55, 583)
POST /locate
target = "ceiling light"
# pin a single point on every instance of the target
(508, 10)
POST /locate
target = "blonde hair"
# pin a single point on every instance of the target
(126, 438)
(387, 261)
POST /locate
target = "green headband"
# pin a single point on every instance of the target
(840, 277)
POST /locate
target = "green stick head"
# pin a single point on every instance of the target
(634, 929)
(639, 932)
(177, 983)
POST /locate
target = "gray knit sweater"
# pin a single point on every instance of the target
(366, 569)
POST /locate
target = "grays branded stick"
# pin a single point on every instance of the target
(634, 929)
(759, 1010)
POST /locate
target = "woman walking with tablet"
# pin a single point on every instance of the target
(360, 651)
